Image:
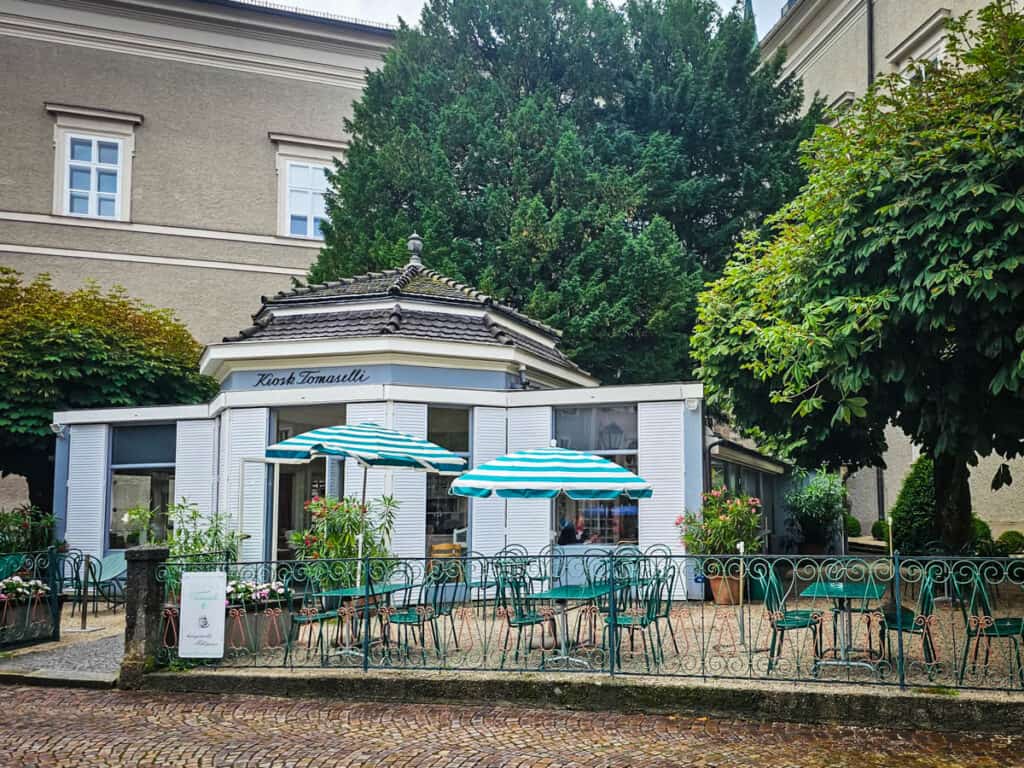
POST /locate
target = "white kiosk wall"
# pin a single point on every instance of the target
(487, 516)
(195, 466)
(245, 437)
(88, 477)
(409, 487)
(529, 520)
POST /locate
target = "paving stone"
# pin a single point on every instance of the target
(101, 655)
(63, 728)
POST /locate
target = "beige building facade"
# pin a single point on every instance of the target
(172, 147)
(837, 47)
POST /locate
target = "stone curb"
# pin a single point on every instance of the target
(885, 708)
(57, 678)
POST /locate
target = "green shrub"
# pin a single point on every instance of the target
(818, 506)
(1011, 542)
(880, 530)
(852, 525)
(913, 514)
(980, 530)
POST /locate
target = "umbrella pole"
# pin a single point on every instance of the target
(359, 538)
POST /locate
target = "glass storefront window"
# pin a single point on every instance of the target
(141, 475)
(152, 489)
(447, 515)
(605, 429)
(601, 522)
(609, 431)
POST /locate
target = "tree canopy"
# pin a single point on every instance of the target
(890, 289)
(83, 349)
(589, 164)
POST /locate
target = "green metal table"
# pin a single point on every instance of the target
(841, 593)
(561, 596)
(350, 648)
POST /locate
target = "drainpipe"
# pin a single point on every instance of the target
(871, 40)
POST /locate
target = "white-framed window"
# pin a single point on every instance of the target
(925, 45)
(307, 184)
(93, 151)
(302, 167)
(93, 176)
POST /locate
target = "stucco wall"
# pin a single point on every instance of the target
(202, 155)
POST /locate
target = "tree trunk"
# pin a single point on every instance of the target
(953, 501)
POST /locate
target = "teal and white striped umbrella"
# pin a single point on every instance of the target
(371, 446)
(543, 473)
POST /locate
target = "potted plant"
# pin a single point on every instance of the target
(331, 545)
(725, 520)
(817, 507)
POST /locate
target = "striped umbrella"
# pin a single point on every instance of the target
(371, 446)
(543, 473)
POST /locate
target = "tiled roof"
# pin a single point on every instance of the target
(412, 280)
(395, 321)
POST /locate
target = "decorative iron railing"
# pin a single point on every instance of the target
(923, 621)
(33, 587)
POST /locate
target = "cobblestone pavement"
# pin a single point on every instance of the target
(55, 728)
(100, 655)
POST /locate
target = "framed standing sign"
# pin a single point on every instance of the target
(203, 594)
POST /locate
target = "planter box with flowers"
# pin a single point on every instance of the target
(258, 617)
(726, 520)
(25, 610)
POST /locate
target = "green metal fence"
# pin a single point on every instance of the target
(923, 621)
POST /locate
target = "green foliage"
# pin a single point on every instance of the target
(82, 349)
(851, 525)
(899, 265)
(334, 534)
(1011, 543)
(818, 506)
(981, 533)
(25, 529)
(724, 521)
(200, 537)
(587, 163)
(880, 531)
(914, 524)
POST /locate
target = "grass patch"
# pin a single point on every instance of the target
(939, 690)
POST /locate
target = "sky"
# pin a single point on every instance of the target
(766, 12)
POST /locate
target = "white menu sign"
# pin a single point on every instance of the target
(201, 624)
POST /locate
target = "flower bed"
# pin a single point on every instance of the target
(25, 612)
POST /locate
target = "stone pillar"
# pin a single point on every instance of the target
(144, 598)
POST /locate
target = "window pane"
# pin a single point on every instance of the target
(151, 489)
(318, 205)
(599, 522)
(108, 152)
(79, 204)
(106, 207)
(319, 177)
(606, 428)
(318, 229)
(151, 444)
(449, 428)
(298, 225)
(79, 178)
(298, 175)
(106, 181)
(298, 202)
(81, 149)
(445, 513)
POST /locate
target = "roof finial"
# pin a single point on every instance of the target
(415, 246)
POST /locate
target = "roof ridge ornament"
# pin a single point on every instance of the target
(415, 246)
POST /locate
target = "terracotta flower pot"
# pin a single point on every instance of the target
(725, 589)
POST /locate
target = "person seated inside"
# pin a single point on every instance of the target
(575, 534)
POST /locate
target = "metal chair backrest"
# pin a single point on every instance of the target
(111, 567)
(443, 586)
(513, 588)
(774, 597)
(10, 565)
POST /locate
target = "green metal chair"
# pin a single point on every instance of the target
(108, 578)
(313, 612)
(440, 591)
(520, 613)
(637, 610)
(10, 565)
(914, 622)
(980, 624)
(782, 619)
